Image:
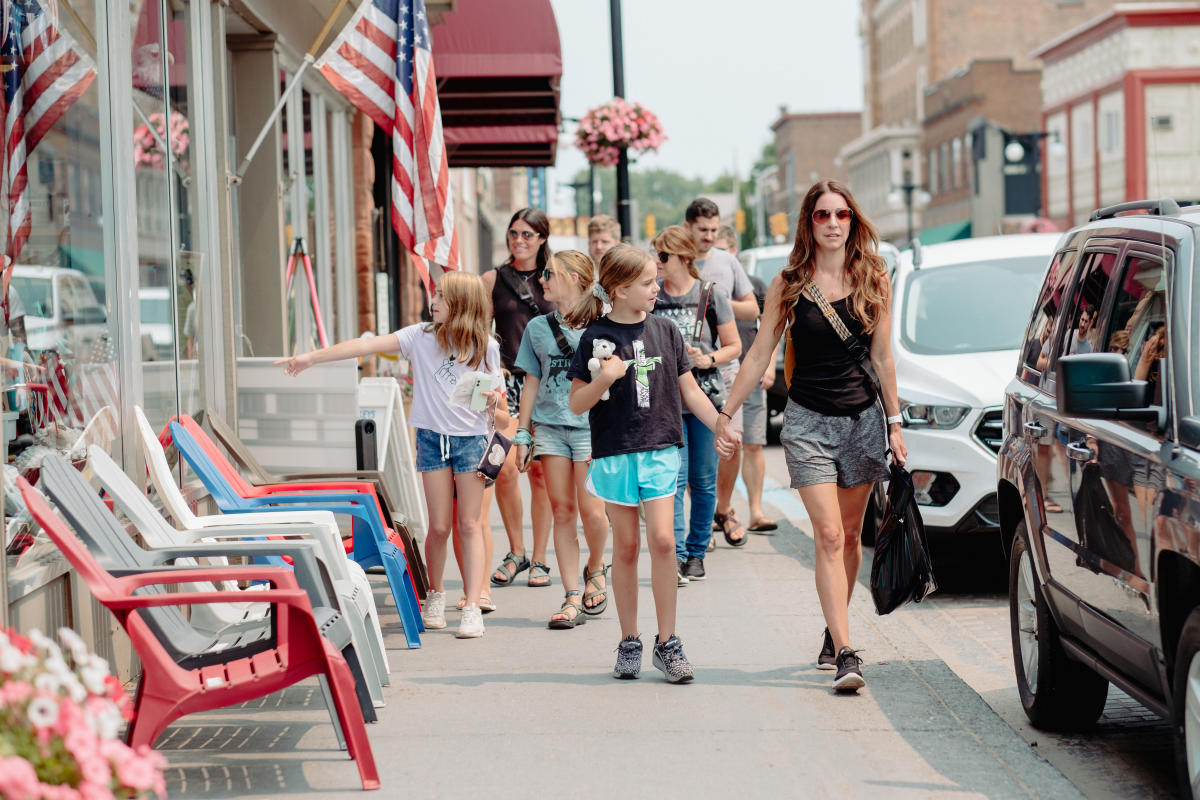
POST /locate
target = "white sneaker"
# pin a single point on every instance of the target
(471, 625)
(434, 613)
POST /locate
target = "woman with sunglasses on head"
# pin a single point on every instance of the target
(833, 436)
(679, 300)
(518, 297)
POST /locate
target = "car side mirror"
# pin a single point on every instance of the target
(1098, 386)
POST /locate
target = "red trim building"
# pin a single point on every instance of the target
(1121, 106)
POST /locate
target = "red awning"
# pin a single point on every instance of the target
(498, 65)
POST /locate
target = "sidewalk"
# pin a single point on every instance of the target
(526, 711)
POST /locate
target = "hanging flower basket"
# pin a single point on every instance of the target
(606, 129)
(146, 149)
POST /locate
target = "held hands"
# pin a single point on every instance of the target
(296, 364)
(728, 440)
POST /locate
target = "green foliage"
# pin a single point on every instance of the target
(661, 192)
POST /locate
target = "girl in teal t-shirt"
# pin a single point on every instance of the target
(561, 440)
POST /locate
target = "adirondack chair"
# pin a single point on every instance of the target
(350, 582)
(372, 547)
(257, 475)
(185, 671)
(96, 525)
(172, 499)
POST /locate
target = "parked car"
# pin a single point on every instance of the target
(765, 263)
(60, 308)
(954, 343)
(1098, 477)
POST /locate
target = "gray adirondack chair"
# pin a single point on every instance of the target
(353, 591)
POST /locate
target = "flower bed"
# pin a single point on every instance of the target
(61, 713)
(606, 129)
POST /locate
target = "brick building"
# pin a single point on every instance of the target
(907, 46)
(1121, 96)
(806, 150)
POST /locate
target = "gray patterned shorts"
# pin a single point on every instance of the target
(821, 449)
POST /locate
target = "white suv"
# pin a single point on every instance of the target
(955, 341)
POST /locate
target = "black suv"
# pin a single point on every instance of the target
(1099, 477)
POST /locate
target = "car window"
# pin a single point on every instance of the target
(1035, 352)
(36, 295)
(1079, 329)
(765, 269)
(1137, 328)
(942, 311)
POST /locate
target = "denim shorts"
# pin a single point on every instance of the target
(850, 451)
(437, 451)
(562, 440)
(629, 477)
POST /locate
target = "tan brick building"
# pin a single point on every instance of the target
(806, 150)
(908, 45)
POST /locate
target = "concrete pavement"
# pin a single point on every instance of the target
(529, 711)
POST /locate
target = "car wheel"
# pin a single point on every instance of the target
(873, 520)
(1185, 707)
(1057, 693)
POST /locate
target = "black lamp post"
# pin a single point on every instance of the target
(908, 187)
(624, 216)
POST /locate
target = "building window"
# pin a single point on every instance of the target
(932, 171)
(1110, 132)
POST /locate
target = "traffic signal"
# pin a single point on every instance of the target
(651, 226)
(739, 221)
(778, 224)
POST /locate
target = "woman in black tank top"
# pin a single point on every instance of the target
(834, 430)
(517, 298)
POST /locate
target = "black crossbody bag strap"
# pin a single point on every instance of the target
(505, 273)
(559, 337)
(856, 349)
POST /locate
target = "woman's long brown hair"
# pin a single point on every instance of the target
(869, 289)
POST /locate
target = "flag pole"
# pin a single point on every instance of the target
(309, 58)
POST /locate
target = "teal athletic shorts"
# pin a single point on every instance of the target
(629, 477)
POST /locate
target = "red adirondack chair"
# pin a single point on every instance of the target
(168, 690)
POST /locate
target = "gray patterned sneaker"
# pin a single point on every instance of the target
(827, 659)
(669, 657)
(629, 658)
(849, 671)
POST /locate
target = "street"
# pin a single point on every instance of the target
(527, 710)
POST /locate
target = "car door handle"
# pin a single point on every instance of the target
(1034, 429)
(1080, 452)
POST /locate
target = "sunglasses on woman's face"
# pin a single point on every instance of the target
(547, 273)
(664, 257)
(823, 214)
(526, 235)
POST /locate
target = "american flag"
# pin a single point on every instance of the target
(383, 63)
(43, 73)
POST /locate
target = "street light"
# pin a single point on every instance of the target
(908, 193)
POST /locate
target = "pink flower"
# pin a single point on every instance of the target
(95, 770)
(136, 772)
(17, 778)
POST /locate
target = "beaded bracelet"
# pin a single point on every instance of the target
(523, 436)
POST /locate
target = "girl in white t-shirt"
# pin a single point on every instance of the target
(450, 438)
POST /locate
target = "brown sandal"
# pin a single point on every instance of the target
(729, 526)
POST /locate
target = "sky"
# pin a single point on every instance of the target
(716, 79)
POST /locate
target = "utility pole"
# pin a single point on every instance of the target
(623, 211)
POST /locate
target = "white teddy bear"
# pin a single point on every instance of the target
(601, 348)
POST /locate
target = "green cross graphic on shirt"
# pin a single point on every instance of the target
(643, 367)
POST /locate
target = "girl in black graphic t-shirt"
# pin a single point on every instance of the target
(636, 435)
(834, 429)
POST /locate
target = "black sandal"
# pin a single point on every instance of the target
(726, 521)
(512, 566)
(575, 620)
(589, 579)
(537, 571)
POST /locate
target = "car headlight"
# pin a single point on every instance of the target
(923, 415)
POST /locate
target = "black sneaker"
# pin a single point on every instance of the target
(629, 658)
(827, 659)
(849, 671)
(669, 657)
(694, 569)
(681, 571)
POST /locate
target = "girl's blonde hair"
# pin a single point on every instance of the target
(619, 267)
(677, 241)
(467, 330)
(870, 293)
(572, 262)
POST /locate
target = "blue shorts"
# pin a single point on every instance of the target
(562, 440)
(629, 477)
(437, 451)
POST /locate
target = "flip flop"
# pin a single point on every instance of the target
(511, 566)
(762, 524)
